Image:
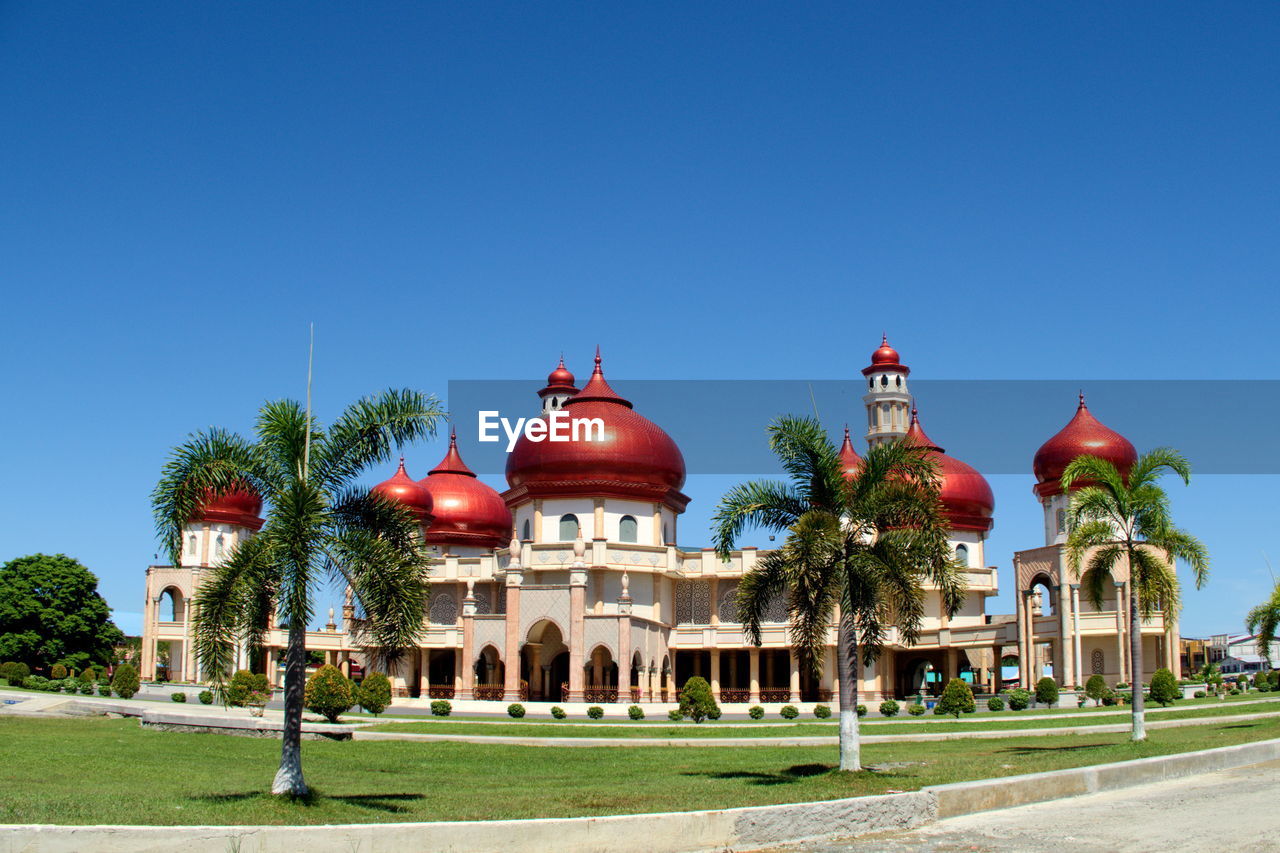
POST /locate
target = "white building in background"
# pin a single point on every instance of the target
(1238, 653)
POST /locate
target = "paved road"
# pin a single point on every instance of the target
(1228, 810)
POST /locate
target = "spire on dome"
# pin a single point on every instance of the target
(597, 389)
(849, 458)
(916, 434)
(452, 462)
(885, 360)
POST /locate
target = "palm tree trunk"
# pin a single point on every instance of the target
(289, 779)
(847, 669)
(1135, 655)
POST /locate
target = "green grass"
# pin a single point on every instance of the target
(96, 770)
(806, 729)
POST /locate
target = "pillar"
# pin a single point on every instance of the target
(468, 643)
(424, 673)
(794, 683)
(511, 652)
(753, 656)
(1019, 603)
(577, 652)
(624, 653)
(997, 671)
(1066, 647)
(1075, 633)
(715, 672)
(1121, 650)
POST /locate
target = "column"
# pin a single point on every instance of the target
(715, 602)
(1019, 602)
(753, 655)
(577, 652)
(511, 652)
(424, 673)
(468, 642)
(794, 684)
(1066, 647)
(1075, 633)
(997, 671)
(953, 665)
(624, 653)
(149, 629)
(458, 669)
(715, 672)
(1120, 644)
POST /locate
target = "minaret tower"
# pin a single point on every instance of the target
(887, 399)
(559, 388)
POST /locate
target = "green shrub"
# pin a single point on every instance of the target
(374, 693)
(58, 672)
(243, 682)
(635, 712)
(206, 697)
(34, 682)
(86, 688)
(104, 689)
(1200, 694)
(755, 712)
(558, 712)
(328, 693)
(16, 673)
(789, 712)
(714, 713)
(515, 709)
(178, 697)
(860, 710)
(889, 708)
(443, 708)
(595, 712)
(1046, 691)
(1019, 699)
(87, 675)
(6, 668)
(1164, 688)
(915, 709)
(696, 701)
(995, 703)
(674, 715)
(1095, 688)
(1234, 691)
(957, 699)
(125, 682)
(1122, 686)
(1110, 698)
(822, 712)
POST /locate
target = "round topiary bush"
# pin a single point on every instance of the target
(206, 697)
(915, 709)
(243, 682)
(822, 712)
(443, 708)
(635, 712)
(674, 715)
(889, 708)
(87, 674)
(957, 699)
(125, 682)
(696, 701)
(789, 712)
(1164, 688)
(755, 712)
(1199, 694)
(558, 712)
(595, 712)
(860, 710)
(995, 703)
(58, 672)
(1047, 691)
(86, 688)
(374, 693)
(515, 709)
(178, 697)
(1019, 699)
(104, 689)
(328, 693)
(17, 673)
(1095, 688)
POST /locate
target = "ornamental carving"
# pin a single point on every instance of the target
(728, 607)
(444, 609)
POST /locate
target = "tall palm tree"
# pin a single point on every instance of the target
(864, 541)
(320, 526)
(1264, 620)
(1116, 520)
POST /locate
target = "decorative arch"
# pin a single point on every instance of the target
(962, 554)
(727, 608)
(568, 527)
(443, 609)
(628, 529)
(172, 605)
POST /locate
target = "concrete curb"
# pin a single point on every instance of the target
(668, 832)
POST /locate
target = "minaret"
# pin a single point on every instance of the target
(887, 399)
(559, 388)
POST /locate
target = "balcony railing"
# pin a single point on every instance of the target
(775, 694)
(489, 692)
(734, 694)
(600, 694)
(440, 691)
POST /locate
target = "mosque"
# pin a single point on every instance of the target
(570, 585)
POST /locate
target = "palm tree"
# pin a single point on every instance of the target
(1117, 520)
(320, 525)
(1264, 620)
(863, 539)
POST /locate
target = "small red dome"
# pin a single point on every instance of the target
(241, 507)
(966, 495)
(849, 458)
(885, 359)
(1084, 435)
(561, 377)
(408, 491)
(635, 460)
(464, 510)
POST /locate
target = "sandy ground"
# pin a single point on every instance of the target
(1230, 810)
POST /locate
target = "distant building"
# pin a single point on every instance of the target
(1237, 653)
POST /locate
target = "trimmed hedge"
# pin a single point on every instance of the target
(443, 708)
(595, 712)
(889, 708)
(675, 716)
(374, 693)
(1046, 691)
(635, 712)
(755, 712)
(789, 712)
(915, 709)
(822, 712)
(1019, 699)
(206, 697)
(558, 712)
(328, 693)
(178, 697)
(515, 709)
(995, 703)
(125, 682)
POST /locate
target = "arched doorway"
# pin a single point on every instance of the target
(541, 671)
(601, 676)
(490, 674)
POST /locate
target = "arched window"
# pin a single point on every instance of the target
(962, 554)
(628, 530)
(568, 527)
(871, 384)
(1096, 661)
(1062, 520)
(665, 536)
(444, 609)
(219, 546)
(884, 381)
(899, 381)
(524, 530)
(191, 545)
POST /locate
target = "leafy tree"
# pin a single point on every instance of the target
(957, 698)
(696, 701)
(51, 612)
(1164, 687)
(242, 684)
(1264, 621)
(320, 525)
(125, 682)
(329, 693)
(865, 540)
(1121, 523)
(15, 673)
(1095, 688)
(374, 693)
(1046, 691)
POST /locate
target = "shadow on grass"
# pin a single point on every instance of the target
(792, 774)
(388, 803)
(1032, 750)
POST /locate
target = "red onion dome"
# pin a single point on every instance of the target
(242, 507)
(405, 490)
(966, 495)
(636, 459)
(464, 511)
(559, 381)
(850, 461)
(885, 360)
(1084, 435)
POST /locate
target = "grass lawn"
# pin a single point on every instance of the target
(98, 770)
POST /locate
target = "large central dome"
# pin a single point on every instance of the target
(636, 459)
(1084, 435)
(966, 495)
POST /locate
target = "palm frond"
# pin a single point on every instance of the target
(757, 588)
(366, 433)
(227, 609)
(767, 504)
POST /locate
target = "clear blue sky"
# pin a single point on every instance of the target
(711, 191)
